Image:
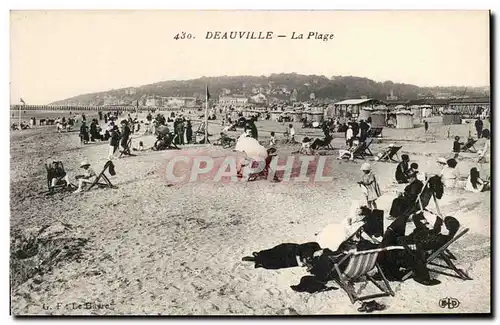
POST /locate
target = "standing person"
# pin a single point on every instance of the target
(272, 141)
(426, 126)
(479, 127)
(349, 136)
(369, 186)
(93, 130)
(100, 115)
(189, 132)
(84, 133)
(291, 132)
(83, 118)
(106, 118)
(125, 134)
(180, 132)
(363, 127)
(114, 141)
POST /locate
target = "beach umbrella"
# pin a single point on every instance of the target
(251, 147)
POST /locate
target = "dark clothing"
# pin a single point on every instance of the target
(114, 139)
(189, 132)
(84, 133)
(284, 255)
(355, 129)
(125, 135)
(426, 126)
(93, 131)
(457, 146)
(404, 204)
(321, 142)
(401, 172)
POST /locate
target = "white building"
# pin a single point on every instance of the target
(259, 99)
(234, 100)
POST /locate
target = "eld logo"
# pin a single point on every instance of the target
(451, 303)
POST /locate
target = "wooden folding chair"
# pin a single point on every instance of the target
(126, 151)
(265, 172)
(469, 147)
(102, 180)
(443, 253)
(389, 154)
(359, 265)
(327, 144)
(366, 148)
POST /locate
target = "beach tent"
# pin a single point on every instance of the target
(378, 119)
(451, 116)
(404, 119)
(426, 110)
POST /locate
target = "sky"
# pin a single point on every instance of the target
(59, 54)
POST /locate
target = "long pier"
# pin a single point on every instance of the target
(78, 108)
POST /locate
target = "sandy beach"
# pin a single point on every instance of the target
(153, 248)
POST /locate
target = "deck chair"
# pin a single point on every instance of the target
(265, 172)
(58, 173)
(102, 180)
(126, 151)
(469, 146)
(443, 253)
(389, 154)
(360, 264)
(326, 144)
(356, 152)
(366, 147)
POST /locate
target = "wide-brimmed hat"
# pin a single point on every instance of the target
(442, 161)
(366, 166)
(84, 163)
(392, 145)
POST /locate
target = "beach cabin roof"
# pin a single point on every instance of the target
(354, 101)
(403, 112)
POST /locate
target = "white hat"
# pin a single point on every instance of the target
(84, 163)
(392, 145)
(366, 166)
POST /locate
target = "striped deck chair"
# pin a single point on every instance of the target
(389, 154)
(443, 253)
(469, 146)
(366, 147)
(359, 266)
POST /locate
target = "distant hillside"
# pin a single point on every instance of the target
(278, 86)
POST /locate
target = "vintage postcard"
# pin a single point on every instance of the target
(250, 163)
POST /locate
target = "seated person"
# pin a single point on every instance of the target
(88, 177)
(475, 183)
(58, 174)
(349, 153)
(321, 142)
(306, 146)
(407, 200)
(450, 174)
(457, 145)
(402, 170)
(427, 236)
(320, 262)
(413, 168)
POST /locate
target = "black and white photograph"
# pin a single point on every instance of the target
(250, 162)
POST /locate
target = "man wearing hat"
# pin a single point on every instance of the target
(114, 141)
(87, 178)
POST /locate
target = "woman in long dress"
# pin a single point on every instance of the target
(369, 186)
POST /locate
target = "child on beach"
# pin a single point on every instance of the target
(369, 186)
(272, 141)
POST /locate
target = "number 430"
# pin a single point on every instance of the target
(183, 35)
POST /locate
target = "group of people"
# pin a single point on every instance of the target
(431, 232)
